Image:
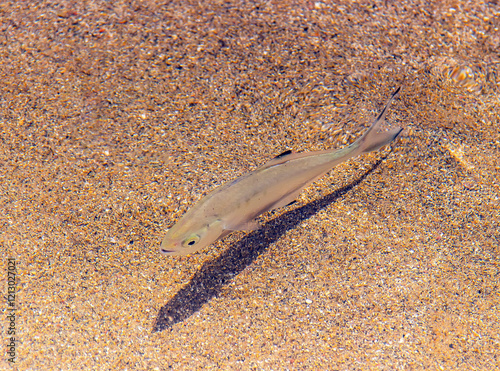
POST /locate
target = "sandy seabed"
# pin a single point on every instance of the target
(115, 117)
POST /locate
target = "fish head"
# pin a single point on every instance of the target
(177, 242)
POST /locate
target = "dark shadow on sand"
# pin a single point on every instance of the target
(214, 274)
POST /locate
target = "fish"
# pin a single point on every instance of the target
(234, 206)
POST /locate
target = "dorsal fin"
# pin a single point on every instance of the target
(287, 152)
(280, 159)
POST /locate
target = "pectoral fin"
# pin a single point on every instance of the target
(286, 200)
(251, 225)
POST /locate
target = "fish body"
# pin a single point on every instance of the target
(235, 205)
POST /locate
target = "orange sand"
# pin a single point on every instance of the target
(116, 117)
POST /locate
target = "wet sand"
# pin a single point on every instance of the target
(115, 118)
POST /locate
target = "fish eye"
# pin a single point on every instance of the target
(191, 240)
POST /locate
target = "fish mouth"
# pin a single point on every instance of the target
(165, 251)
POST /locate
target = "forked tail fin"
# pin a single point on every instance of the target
(372, 140)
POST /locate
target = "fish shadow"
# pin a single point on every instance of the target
(214, 274)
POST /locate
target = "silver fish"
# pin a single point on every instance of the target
(235, 205)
